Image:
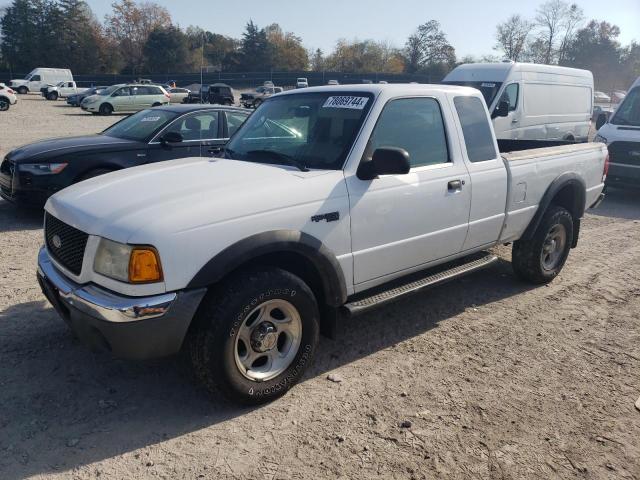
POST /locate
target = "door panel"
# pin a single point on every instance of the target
(400, 222)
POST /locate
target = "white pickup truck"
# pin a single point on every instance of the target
(328, 201)
(61, 90)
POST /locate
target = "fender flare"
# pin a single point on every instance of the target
(277, 241)
(566, 179)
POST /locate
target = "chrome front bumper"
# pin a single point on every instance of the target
(130, 327)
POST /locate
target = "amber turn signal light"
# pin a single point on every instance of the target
(144, 265)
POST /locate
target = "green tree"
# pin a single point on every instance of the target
(255, 52)
(166, 50)
(428, 49)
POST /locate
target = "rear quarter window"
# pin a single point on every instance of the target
(476, 130)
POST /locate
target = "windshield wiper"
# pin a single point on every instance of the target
(281, 156)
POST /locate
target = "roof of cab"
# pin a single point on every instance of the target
(388, 88)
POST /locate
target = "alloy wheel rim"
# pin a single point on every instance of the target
(553, 247)
(268, 340)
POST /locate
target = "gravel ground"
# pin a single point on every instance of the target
(485, 377)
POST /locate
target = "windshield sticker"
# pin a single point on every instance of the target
(355, 103)
(150, 119)
(489, 85)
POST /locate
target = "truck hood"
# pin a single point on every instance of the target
(140, 204)
(58, 147)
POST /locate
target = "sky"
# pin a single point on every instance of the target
(469, 24)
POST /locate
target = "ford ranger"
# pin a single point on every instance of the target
(327, 202)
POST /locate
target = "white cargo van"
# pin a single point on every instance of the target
(41, 77)
(530, 101)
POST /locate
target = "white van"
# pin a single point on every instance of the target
(41, 77)
(532, 102)
(622, 136)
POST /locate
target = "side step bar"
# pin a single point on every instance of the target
(364, 304)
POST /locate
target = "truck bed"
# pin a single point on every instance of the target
(532, 171)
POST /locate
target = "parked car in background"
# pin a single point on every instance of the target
(530, 101)
(178, 94)
(218, 93)
(268, 83)
(31, 173)
(621, 134)
(601, 111)
(61, 90)
(126, 98)
(333, 82)
(302, 82)
(41, 77)
(618, 95)
(76, 99)
(382, 191)
(7, 97)
(601, 97)
(255, 99)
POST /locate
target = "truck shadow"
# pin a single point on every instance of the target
(14, 218)
(64, 406)
(620, 203)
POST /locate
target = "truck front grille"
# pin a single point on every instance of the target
(65, 243)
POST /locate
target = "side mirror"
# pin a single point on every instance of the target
(171, 137)
(501, 110)
(385, 161)
(601, 120)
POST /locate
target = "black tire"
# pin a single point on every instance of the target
(215, 345)
(106, 109)
(52, 96)
(4, 104)
(23, 90)
(531, 259)
(157, 104)
(94, 173)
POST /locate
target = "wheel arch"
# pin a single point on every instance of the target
(297, 252)
(568, 191)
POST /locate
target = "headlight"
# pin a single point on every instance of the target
(600, 139)
(127, 263)
(42, 168)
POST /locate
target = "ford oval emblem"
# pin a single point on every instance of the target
(56, 241)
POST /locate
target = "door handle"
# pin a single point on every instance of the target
(515, 120)
(215, 150)
(455, 185)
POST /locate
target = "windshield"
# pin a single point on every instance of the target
(313, 130)
(628, 112)
(140, 126)
(489, 90)
(109, 91)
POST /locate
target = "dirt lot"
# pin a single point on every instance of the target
(498, 379)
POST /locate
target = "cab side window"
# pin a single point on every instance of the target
(35, 78)
(478, 137)
(510, 95)
(417, 126)
(123, 92)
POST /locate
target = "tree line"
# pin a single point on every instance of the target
(559, 34)
(141, 38)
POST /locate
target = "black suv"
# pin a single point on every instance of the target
(219, 93)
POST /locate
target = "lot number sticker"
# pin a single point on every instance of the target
(354, 103)
(150, 119)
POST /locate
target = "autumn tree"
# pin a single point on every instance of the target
(285, 50)
(512, 36)
(129, 27)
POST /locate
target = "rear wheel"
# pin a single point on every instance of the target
(540, 259)
(23, 90)
(256, 336)
(157, 104)
(4, 104)
(106, 109)
(52, 96)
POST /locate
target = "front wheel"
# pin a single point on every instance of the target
(23, 90)
(4, 104)
(52, 96)
(256, 335)
(540, 259)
